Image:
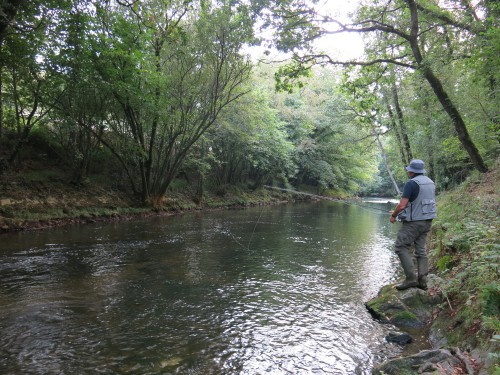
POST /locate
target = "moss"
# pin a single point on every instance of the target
(382, 300)
(389, 307)
(407, 318)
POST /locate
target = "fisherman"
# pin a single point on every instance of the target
(416, 209)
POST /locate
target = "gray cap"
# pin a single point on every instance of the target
(416, 166)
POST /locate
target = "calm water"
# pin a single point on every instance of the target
(272, 290)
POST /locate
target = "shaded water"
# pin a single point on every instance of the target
(265, 290)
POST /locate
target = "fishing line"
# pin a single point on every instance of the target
(364, 206)
(255, 226)
(235, 240)
(233, 237)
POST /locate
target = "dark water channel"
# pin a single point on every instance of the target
(265, 290)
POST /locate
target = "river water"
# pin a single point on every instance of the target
(264, 290)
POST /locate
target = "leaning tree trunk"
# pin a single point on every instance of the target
(384, 157)
(442, 95)
(394, 127)
(456, 118)
(402, 125)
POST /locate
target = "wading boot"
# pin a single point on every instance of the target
(423, 270)
(407, 264)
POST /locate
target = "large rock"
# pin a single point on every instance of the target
(411, 308)
(415, 308)
(438, 361)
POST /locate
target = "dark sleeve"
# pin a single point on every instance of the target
(411, 190)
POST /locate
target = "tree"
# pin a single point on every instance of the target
(249, 143)
(395, 26)
(332, 152)
(25, 80)
(77, 121)
(171, 71)
(8, 11)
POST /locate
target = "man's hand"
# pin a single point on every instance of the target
(403, 202)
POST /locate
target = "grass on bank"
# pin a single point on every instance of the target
(466, 253)
(43, 198)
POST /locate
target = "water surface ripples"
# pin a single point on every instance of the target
(273, 290)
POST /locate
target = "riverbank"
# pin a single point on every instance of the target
(465, 255)
(464, 248)
(461, 308)
(42, 199)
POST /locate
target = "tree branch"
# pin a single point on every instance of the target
(326, 59)
(371, 25)
(449, 21)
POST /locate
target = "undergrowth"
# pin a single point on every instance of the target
(466, 253)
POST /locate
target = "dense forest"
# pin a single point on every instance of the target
(154, 94)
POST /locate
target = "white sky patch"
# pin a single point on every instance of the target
(343, 46)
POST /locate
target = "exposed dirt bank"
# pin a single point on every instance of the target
(43, 199)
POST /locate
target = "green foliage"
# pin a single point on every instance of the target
(141, 82)
(179, 185)
(331, 152)
(444, 263)
(443, 63)
(288, 77)
(469, 255)
(248, 143)
(490, 299)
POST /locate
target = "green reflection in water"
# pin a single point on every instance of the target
(267, 289)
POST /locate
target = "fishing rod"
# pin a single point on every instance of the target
(329, 198)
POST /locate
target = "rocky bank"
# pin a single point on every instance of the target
(418, 309)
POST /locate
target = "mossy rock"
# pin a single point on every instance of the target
(423, 362)
(411, 308)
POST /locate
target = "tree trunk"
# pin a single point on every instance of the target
(456, 118)
(442, 95)
(402, 125)
(394, 126)
(428, 123)
(384, 157)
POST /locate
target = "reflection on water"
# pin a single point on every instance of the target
(275, 290)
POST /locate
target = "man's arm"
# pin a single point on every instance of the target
(403, 202)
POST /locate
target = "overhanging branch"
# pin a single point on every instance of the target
(366, 26)
(321, 59)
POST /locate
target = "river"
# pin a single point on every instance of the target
(263, 290)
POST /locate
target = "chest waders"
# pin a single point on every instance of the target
(413, 233)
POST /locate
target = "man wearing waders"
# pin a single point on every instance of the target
(415, 210)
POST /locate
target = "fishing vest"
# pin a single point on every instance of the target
(424, 206)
